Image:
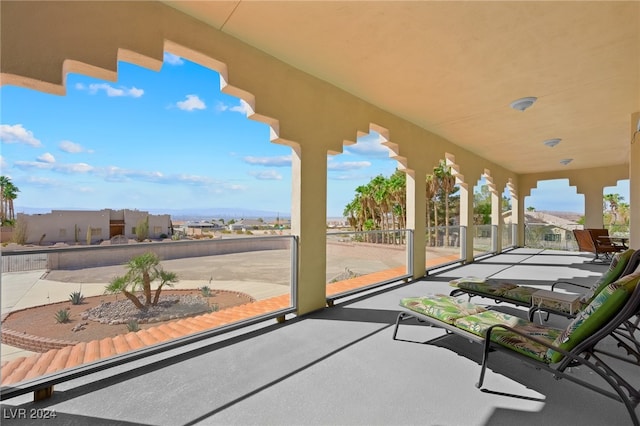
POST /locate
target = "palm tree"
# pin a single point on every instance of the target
(428, 198)
(447, 183)
(142, 271)
(398, 194)
(433, 188)
(614, 203)
(8, 193)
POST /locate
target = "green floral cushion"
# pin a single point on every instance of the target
(439, 306)
(489, 287)
(454, 283)
(521, 293)
(479, 323)
(525, 346)
(601, 309)
(617, 265)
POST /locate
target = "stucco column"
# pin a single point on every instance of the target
(496, 221)
(517, 237)
(466, 220)
(416, 214)
(592, 206)
(309, 222)
(634, 183)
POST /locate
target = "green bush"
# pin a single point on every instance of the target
(206, 291)
(133, 326)
(62, 316)
(76, 298)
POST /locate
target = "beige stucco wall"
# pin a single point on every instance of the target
(96, 256)
(42, 41)
(71, 226)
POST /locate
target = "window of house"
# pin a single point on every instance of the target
(62, 233)
(157, 229)
(551, 237)
(96, 232)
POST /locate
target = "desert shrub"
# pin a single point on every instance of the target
(142, 229)
(76, 298)
(62, 316)
(20, 231)
(206, 291)
(133, 326)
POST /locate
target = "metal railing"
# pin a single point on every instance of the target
(549, 237)
(361, 260)
(285, 265)
(23, 261)
(444, 246)
(484, 239)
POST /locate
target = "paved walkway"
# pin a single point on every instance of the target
(21, 290)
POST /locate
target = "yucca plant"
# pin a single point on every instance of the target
(133, 326)
(206, 291)
(76, 298)
(62, 316)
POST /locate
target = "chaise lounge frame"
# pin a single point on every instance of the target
(585, 354)
(634, 263)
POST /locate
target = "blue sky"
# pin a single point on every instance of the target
(170, 140)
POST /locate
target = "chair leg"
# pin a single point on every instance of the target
(485, 360)
(401, 317)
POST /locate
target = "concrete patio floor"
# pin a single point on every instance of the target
(340, 366)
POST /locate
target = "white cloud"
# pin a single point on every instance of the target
(40, 181)
(369, 147)
(244, 108)
(348, 165)
(72, 147)
(111, 91)
(192, 102)
(266, 175)
(74, 168)
(278, 161)
(171, 59)
(196, 180)
(47, 158)
(236, 187)
(18, 134)
(70, 168)
(26, 165)
(3, 163)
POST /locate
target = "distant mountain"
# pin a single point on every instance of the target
(219, 212)
(572, 216)
(185, 214)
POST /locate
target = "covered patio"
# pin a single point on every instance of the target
(341, 366)
(435, 80)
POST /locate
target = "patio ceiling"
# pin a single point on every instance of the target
(455, 67)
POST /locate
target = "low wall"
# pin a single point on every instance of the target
(91, 257)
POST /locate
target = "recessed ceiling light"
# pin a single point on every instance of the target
(523, 103)
(566, 161)
(552, 142)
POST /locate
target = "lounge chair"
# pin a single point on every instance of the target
(547, 348)
(520, 295)
(596, 241)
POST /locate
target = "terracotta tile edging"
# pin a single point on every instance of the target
(59, 357)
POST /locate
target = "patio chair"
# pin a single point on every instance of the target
(622, 264)
(589, 240)
(547, 348)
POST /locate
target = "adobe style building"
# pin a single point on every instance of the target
(90, 227)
